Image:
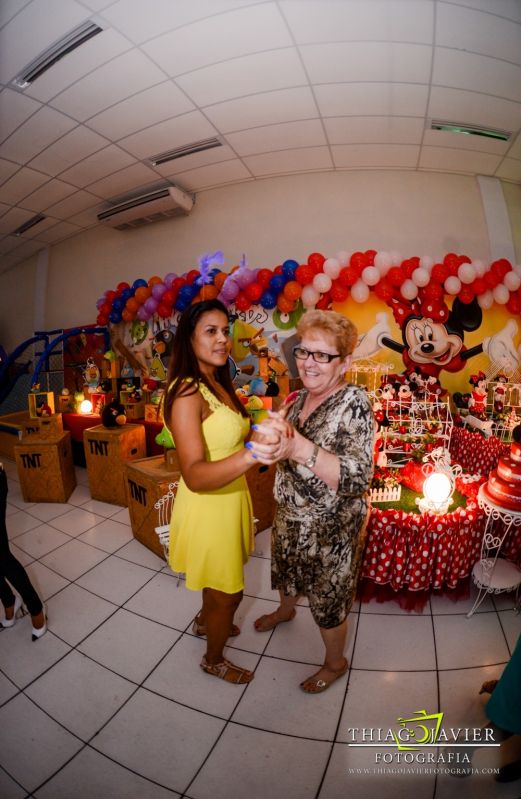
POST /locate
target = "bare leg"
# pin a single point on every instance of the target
(285, 612)
(218, 610)
(335, 664)
(199, 625)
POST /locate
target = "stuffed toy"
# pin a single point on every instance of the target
(113, 414)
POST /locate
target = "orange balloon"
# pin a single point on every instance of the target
(209, 292)
(127, 315)
(197, 298)
(132, 305)
(219, 279)
(142, 294)
(292, 290)
(284, 305)
(152, 281)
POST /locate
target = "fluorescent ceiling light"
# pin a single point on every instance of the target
(34, 220)
(472, 130)
(187, 149)
(55, 52)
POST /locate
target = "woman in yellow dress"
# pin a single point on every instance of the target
(211, 531)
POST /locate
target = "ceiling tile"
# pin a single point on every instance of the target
(263, 109)
(511, 9)
(60, 231)
(12, 220)
(40, 130)
(515, 149)
(87, 218)
(123, 181)
(303, 159)
(10, 8)
(7, 168)
(331, 21)
(367, 155)
(96, 166)
(28, 248)
(166, 135)
(47, 195)
(71, 148)
(20, 185)
(367, 61)
(126, 15)
(34, 232)
(36, 27)
(477, 73)
(15, 108)
(72, 205)
(4, 208)
(248, 30)
(214, 175)
(8, 244)
(287, 135)
(108, 85)
(467, 29)
(452, 160)
(462, 141)
(374, 130)
(9, 261)
(372, 99)
(196, 160)
(74, 66)
(474, 109)
(141, 111)
(251, 74)
(509, 169)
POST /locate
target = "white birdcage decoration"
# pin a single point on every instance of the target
(164, 507)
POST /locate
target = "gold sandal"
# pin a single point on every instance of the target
(224, 670)
(200, 629)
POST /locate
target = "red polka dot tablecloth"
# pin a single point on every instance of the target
(476, 454)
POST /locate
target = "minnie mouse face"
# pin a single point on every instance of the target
(429, 342)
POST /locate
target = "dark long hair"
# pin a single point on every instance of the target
(183, 363)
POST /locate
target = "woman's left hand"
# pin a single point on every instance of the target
(276, 441)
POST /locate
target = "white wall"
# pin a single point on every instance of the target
(417, 213)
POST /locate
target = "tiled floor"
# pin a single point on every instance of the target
(112, 703)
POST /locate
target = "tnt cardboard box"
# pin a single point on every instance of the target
(134, 410)
(37, 399)
(106, 451)
(153, 413)
(50, 426)
(146, 481)
(45, 468)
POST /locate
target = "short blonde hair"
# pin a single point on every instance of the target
(339, 327)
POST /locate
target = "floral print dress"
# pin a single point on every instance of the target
(316, 535)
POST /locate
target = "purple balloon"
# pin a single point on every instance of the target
(143, 314)
(244, 277)
(230, 289)
(150, 305)
(169, 279)
(158, 290)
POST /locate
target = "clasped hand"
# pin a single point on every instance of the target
(273, 440)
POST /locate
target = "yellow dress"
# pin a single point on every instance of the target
(211, 532)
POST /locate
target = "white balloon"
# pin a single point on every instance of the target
(383, 262)
(479, 268)
(486, 300)
(426, 262)
(409, 290)
(396, 258)
(322, 282)
(452, 285)
(420, 277)
(343, 258)
(466, 273)
(512, 281)
(370, 275)
(360, 292)
(309, 296)
(501, 294)
(332, 267)
(517, 269)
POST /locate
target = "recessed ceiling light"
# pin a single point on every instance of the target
(471, 130)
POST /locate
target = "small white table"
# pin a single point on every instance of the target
(493, 574)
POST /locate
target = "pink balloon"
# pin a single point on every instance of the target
(322, 282)
(501, 294)
(309, 296)
(512, 281)
(466, 273)
(409, 290)
(420, 277)
(169, 279)
(343, 258)
(332, 268)
(360, 292)
(370, 275)
(383, 262)
(426, 262)
(486, 300)
(453, 285)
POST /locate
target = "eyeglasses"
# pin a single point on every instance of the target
(320, 357)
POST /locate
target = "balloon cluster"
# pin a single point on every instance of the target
(320, 282)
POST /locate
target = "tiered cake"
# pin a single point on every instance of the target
(504, 483)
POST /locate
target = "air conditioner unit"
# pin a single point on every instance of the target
(148, 208)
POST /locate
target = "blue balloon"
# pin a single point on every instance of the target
(181, 304)
(288, 269)
(115, 317)
(118, 304)
(268, 300)
(187, 293)
(277, 283)
(126, 294)
(138, 283)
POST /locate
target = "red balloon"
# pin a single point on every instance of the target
(121, 286)
(464, 259)
(395, 276)
(163, 310)
(324, 302)
(514, 304)
(415, 260)
(110, 295)
(168, 297)
(264, 276)
(339, 293)
(491, 280)
(466, 295)
(501, 267)
(254, 291)
(451, 260)
(370, 254)
(383, 290)
(316, 261)
(433, 291)
(304, 274)
(348, 276)
(359, 261)
(242, 301)
(176, 285)
(478, 286)
(278, 270)
(408, 267)
(105, 308)
(440, 273)
(102, 319)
